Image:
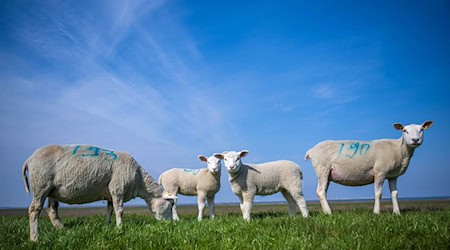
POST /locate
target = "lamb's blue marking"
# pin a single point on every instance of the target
(192, 171)
(94, 152)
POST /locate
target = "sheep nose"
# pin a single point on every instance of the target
(415, 140)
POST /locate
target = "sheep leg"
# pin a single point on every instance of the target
(378, 183)
(118, 209)
(109, 210)
(301, 203)
(247, 206)
(201, 205)
(322, 188)
(174, 212)
(52, 212)
(33, 215)
(291, 202)
(241, 203)
(394, 194)
(210, 200)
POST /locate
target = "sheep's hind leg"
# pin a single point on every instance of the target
(322, 188)
(210, 200)
(118, 209)
(33, 216)
(394, 194)
(291, 202)
(301, 203)
(52, 212)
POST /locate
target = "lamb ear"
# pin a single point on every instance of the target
(219, 156)
(398, 126)
(203, 158)
(426, 125)
(243, 153)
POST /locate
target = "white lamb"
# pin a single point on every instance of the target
(204, 183)
(77, 174)
(248, 180)
(357, 163)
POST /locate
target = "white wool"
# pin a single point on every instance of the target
(356, 163)
(248, 180)
(77, 174)
(203, 183)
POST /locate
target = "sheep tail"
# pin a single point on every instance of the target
(160, 180)
(307, 155)
(25, 178)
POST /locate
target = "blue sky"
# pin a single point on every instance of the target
(168, 80)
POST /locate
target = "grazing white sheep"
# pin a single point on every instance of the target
(357, 163)
(248, 180)
(204, 183)
(77, 174)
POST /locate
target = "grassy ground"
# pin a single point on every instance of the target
(423, 225)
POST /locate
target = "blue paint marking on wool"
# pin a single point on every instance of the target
(353, 148)
(192, 171)
(94, 152)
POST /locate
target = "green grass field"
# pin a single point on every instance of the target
(423, 225)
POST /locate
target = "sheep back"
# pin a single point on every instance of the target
(189, 181)
(356, 162)
(77, 174)
(267, 178)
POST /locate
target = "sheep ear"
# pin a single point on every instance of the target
(243, 153)
(398, 126)
(203, 158)
(426, 125)
(218, 156)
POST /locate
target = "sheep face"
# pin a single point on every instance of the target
(413, 133)
(162, 208)
(232, 160)
(212, 163)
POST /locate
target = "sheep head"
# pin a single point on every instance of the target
(413, 133)
(212, 163)
(232, 160)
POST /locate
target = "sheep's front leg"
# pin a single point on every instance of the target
(174, 212)
(378, 183)
(247, 205)
(394, 194)
(211, 206)
(201, 197)
(241, 203)
(52, 211)
(109, 210)
(118, 209)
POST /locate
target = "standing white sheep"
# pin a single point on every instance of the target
(204, 183)
(357, 163)
(77, 174)
(248, 180)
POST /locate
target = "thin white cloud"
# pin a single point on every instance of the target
(162, 107)
(324, 92)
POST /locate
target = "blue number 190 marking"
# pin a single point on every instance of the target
(354, 147)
